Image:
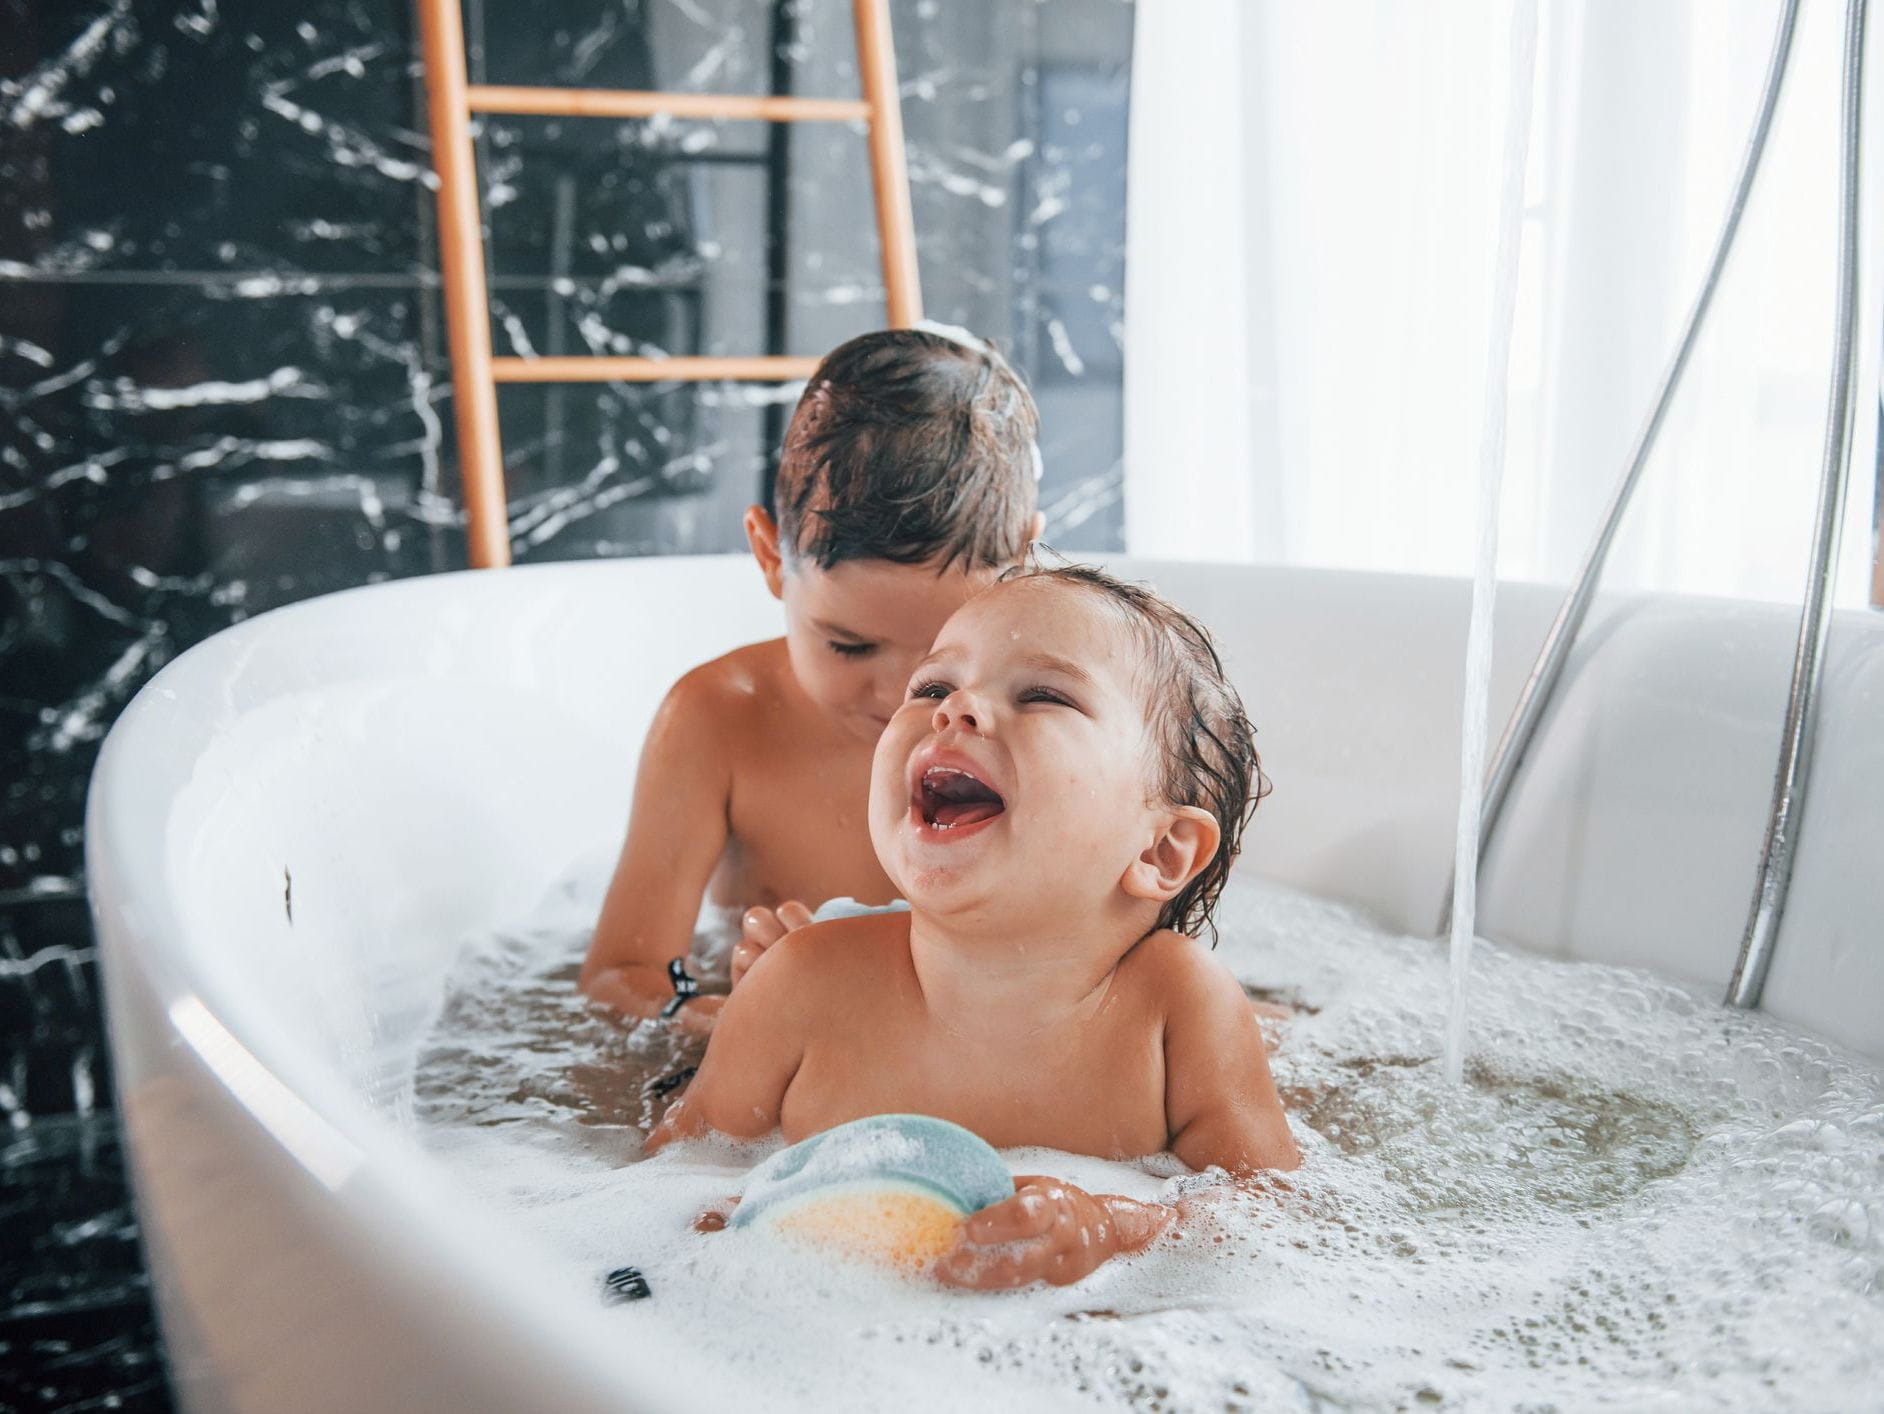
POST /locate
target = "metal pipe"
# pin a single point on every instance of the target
(1795, 751)
(1535, 697)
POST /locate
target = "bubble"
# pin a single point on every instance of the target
(1638, 1199)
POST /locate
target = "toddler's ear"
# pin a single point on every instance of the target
(762, 536)
(1185, 844)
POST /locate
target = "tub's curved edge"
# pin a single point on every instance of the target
(174, 1056)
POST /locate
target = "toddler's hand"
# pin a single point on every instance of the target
(1048, 1231)
(762, 927)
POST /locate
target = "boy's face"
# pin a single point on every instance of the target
(857, 630)
(1015, 775)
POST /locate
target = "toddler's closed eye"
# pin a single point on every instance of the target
(850, 650)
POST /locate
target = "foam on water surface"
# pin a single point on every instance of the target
(1638, 1200)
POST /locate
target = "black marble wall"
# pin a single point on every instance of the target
(222, 387)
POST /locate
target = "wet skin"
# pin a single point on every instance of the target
(1029, 995)
(755, 774)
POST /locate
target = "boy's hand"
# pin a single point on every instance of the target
(1048, 1231)
(762, 927)
(640, 992)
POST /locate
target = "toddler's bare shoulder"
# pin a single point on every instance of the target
(846, 948)
(828, 970)
(1182, 972)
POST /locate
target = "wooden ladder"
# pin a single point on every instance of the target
(452, 99)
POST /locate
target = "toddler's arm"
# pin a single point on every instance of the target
(1222, 1111)
(1219, 1098)
(676, 833)
(749, 1064)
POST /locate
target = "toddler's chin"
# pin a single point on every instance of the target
(943, 890)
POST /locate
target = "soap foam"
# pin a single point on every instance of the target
(1637, 1200)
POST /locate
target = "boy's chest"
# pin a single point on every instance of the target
(1098, 1091)
(800, 829)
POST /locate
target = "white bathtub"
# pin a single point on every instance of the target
(292, 825)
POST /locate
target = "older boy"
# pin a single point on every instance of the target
(906, 485)
(1059, 798)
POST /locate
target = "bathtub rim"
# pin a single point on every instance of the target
(149, 938)
(333, 1136)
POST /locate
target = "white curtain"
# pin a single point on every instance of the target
(1311, 227)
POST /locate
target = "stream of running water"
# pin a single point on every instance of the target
(1472, 732)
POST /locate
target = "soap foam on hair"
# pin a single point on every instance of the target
(1638, 1199)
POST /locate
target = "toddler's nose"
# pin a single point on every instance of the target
(955, 710)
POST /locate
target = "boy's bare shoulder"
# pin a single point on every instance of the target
(729, 700)
(733, 681)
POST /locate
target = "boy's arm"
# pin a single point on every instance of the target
(755, 1052)
(677, 831)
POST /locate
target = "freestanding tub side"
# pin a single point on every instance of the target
(291, 829)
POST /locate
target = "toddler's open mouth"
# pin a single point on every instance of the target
(950, 798)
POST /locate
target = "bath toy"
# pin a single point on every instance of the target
(846, 907)
(625, 1284)
(893, 1189)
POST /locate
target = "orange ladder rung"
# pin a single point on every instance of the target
(451, 100)
(626, 103)
(601, 368)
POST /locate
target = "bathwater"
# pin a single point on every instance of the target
(1636, 1200)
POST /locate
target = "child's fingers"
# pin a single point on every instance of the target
(761, 928)
(1136, 1224)
(1068, 1265)
(744, 955)
(980, 1270)
(1027, 1214)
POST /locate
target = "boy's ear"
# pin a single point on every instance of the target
(1038, 527)
(762, 536)
(1184, 845)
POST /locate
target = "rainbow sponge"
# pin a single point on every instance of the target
(891, 1189)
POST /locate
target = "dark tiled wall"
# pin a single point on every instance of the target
(222, 381)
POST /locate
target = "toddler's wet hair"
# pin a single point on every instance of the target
(913, 447)
(1204, 746)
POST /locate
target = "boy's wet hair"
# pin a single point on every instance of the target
(913, 447)
(1204, 746)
